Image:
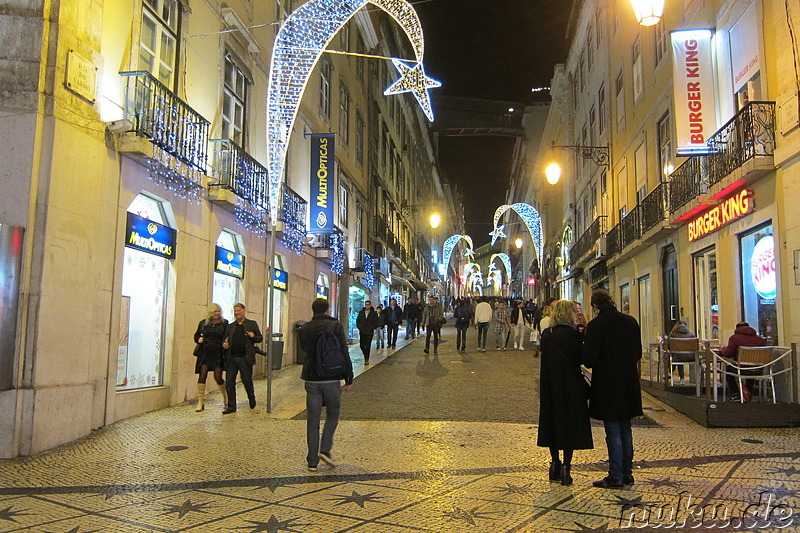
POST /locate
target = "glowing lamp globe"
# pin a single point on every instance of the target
(553, 173)
(648, 12)
(518, 243)
(435, 220)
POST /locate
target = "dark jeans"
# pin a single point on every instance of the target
(366, 343)
(236, 365)
(483, 332)
(436, 329)
(411, 328)
(619, 440)
(461, 337)
(319, 393)
(393, 328)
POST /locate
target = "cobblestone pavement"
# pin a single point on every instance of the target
(177, 470)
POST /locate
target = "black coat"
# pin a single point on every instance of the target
(563, 411)
(367, 322)
(394, 315)
(210, 351)
(612, 347)
(250, 344)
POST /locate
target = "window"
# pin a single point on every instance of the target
(590, 50)
(325, 71)
(581, 75)
(705, 290)
(359, 138)
(344, 115)
(662, 41)
(760, 282)
(282, 10)
(599, 16)
(665, 145)
(593, 197)
(357, 240)
(233, 103)
(227, 290)
(158, 44)
(360, 49)
(343, 200)
(637, 71)
(345, 35)
(601, 109)
(619, 90)
(603, 181)
(592, 121)
(617, 10)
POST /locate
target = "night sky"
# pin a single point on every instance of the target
(497, 50)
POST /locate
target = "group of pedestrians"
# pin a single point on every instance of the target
(610, 346)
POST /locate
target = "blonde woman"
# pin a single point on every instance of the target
(210, 355)
(563, 410)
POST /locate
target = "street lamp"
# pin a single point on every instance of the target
(553, 173)
(518, 243)
(598, 155)
(435, 220)
(648, 12)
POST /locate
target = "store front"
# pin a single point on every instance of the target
(759, 281)
(323, 287)
(150, 246)
(280, 282)
(358, 295)
(229, 265)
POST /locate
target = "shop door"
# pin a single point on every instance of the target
(669, 266)
(705, 292)
(646, 311)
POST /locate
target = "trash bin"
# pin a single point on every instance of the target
(299, 354)
(277, 351)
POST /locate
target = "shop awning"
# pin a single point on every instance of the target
(360, 286)
(420, 285)
(397, 280)
(438, 285)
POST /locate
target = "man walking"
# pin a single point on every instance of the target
(612, 347)
(366, 322)
(502, 325)
(394, 316)
(241, 338)
(321, 391)
(483, 315)
(432, 318)
(411, 313)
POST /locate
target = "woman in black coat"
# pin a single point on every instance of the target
(563, 409)
(210, 355)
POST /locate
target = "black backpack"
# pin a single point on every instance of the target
(330, 359)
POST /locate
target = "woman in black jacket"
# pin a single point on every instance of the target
(563, 410)
(210, 355)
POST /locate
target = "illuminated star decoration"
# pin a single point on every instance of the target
(498, 233)
(413, 80)
(469, 252)
(450, 244)
(357, 498)
(302, 39)
(186, 508)
(530, 216)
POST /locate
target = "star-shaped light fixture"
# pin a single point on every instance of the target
(469, 252)
(413, 80)
(498, 233)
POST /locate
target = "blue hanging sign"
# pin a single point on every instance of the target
(151, 237)
(322, 184)
(280, 280)
(229, 263)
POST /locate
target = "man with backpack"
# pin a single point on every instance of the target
(327, 363)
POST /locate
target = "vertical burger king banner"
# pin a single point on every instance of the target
(322, 183)
(694, 90)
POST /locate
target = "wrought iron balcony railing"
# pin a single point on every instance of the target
(630, 227)
(750, 133)
(235, 170)
(588, 239)
(686, 182)
(293, 215)
(159, 115)
(653, 208)
(613, 241)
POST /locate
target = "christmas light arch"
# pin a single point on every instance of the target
(450, 244)
(505, 260)
(300, 43)
(530, 216)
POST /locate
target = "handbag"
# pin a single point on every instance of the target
(198, 350)
(534, 335)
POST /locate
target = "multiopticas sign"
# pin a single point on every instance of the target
(730, 209)
(151, 237)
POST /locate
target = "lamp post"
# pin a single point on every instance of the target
(648, 12)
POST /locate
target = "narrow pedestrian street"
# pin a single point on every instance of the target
(426, 443)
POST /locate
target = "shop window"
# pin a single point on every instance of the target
(279, 300)
(759, 282)
(157, 43)
(227, 289)
(705, 291)
(323, 286)
(143, 309)
(234, 103)
(625, 299)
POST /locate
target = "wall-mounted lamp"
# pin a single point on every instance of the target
(648, 12)
(598, 155)
(120, 126)
(435, 220)
(518, 243)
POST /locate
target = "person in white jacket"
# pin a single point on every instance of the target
(483, 316)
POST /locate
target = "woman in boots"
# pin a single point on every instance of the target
(563, 410)
(209, 336)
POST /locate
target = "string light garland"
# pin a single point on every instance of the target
(293, 216)
(337, 252)
(450, 244)
(299, 44)
(530, 216)
(175, 175)
(369, 271)
(505, 259)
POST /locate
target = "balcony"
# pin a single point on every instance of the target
(613, 242)
(653, 211)
(686, 182)
(630, 228)
(166, 121)
(747, 136)
(234, 170)
(292, 216)
(587, 241)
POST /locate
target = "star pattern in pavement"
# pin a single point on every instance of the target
(357, 498)
(582, 527)
(666, 482)
(110, 492)
(786, 471)
(781, 492)
(186, 508)
(467, 516)
(8, 513)
(77, 529)
(627, 503)
(515, 489)
(272, 485)
(273, 525)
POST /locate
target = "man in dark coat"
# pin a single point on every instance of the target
(394, 317)
(743, 335)
(322, 391)
(612, 347)
(411, 313)
(241, 337)
(366, 322)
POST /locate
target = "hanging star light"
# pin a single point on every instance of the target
(469, 252)
(413, 80)
(498, 233)
(451, 243)
(302, 39)
(530, 216)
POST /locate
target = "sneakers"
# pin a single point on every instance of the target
(504, 348)
(521, 349)
(312, 468)
(326, 457)
(609, 482)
